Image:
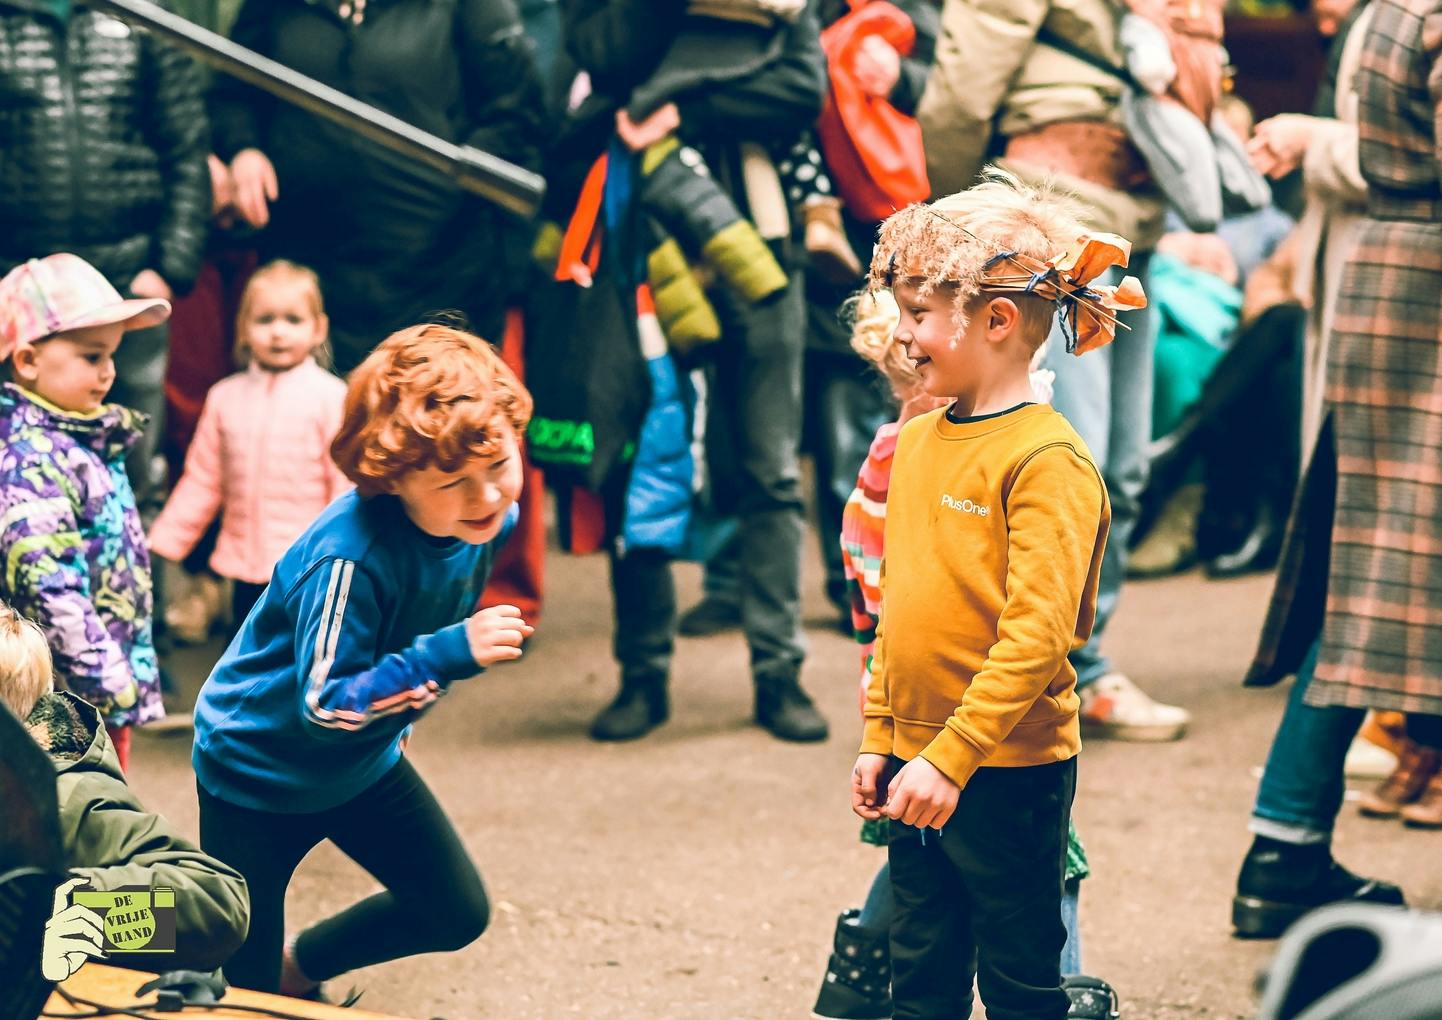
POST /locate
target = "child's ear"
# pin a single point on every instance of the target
(22, 363)
(1002, 317)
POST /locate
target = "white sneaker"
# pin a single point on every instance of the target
(1365, 760)
(1117, 709)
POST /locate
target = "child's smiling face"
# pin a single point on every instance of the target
(469, 503)
(943, 355)
(72, 370)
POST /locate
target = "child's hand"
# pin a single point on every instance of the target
(921, 795)
(868, 785)
(496, 634)
(877, 66)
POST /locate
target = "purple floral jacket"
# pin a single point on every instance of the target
(73, 549)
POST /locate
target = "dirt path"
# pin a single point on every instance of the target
(698, 873)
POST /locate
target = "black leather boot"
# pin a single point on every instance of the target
(1282, 881)
(640, 706)
(785, 709)
(858, 975)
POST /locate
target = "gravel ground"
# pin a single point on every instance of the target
(698, 873)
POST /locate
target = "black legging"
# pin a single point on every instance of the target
(433, 900)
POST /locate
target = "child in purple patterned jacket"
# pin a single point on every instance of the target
(71, 542)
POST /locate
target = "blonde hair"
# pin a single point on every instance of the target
(951, 242)
(429, 395)
(274, 271)
(874, 318)
(26, 673)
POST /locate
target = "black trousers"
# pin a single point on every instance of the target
(982, 899)
(433, 899)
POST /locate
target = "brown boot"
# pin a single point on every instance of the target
(1416, 768)
(1426, 813)
(826, 242)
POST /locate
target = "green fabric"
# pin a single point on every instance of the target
(1196, 314)
(60, 8)
(877, 832)
(113, 841)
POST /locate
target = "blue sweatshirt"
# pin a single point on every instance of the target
(361, 629)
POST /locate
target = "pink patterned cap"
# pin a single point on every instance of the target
(64, 292)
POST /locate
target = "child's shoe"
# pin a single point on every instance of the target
(1426, 812)
(1416, 767)
(858, 975)
(1091, 998)
(1280, 882)
(639, 707)
(826, 243)
(1115, 707)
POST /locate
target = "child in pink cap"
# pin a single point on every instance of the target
(71, 542)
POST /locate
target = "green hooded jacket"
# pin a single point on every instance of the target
(113, 841)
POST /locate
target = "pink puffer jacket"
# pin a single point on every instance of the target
(260, 458)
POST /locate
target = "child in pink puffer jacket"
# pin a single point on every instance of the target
(261, 453)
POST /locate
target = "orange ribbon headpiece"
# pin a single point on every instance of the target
(1088, 314)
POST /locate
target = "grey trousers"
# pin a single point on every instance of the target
(753, 436)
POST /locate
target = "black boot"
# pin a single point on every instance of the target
(785, 709)
(1282, 881)
(641, 705)
(858, 975)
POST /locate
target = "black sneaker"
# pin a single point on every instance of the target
(1280, 882)
(711, 615)
(640, 706)
(784, 709)
(858, 975)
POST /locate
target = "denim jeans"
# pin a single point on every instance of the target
(1107, 397)
(1303, 784)
(755, 402)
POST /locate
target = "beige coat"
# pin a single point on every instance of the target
(1327, 231)
(991, 75)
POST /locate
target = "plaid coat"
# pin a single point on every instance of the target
(1363, 563)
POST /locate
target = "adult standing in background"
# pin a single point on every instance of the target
(1360, 565)
(391, 240)
(996, 87)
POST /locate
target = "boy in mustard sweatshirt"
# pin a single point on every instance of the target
(997, 519)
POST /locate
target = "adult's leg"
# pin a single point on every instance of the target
(433, 899)
(759, 380)
(1303, 782)
(1007, 841)
(265, 848)
(140, 362)
(933, 957)
(1071, 954)
(1289, 869)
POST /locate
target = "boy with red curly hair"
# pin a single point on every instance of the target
(367, 621)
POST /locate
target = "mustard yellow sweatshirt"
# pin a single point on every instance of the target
(994, 535)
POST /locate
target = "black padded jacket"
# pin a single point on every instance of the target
(103, 143)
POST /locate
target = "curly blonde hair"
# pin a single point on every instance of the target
(950, 242)
(874, 317)
(428, 396)
(26, 673)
